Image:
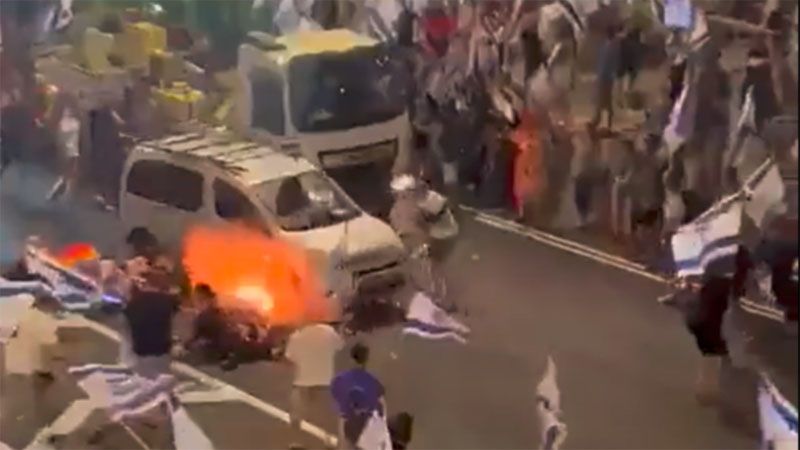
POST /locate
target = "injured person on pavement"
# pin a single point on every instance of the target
(227, 336)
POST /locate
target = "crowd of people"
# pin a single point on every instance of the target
(496, 93)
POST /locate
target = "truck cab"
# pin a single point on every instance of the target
(334, 96)
(174, 183)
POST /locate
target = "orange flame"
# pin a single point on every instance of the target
(76, 253)
(244, 266)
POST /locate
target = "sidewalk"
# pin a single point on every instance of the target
(28, 407)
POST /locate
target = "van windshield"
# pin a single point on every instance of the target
(337, 91)
(306, 201)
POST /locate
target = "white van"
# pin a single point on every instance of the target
(334, 96)
(173, 183)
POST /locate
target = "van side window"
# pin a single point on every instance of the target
(166, 183)
(267, 98)
(231, 204)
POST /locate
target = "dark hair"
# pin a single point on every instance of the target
(360, 353)
(204, 290)
(141, 236)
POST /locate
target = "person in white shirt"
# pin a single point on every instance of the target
(311, 349)
(67, 130)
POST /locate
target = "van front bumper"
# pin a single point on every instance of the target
(376, 278)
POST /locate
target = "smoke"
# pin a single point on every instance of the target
(25, 211)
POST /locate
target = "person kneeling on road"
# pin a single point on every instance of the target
(210, 332)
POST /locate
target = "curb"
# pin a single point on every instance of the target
(600, 256)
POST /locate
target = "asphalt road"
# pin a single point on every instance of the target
(626, 365)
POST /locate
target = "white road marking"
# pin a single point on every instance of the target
(539, 234)
(228, 390)
(596, 256)
(602, 257)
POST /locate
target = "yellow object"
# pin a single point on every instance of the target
(94, 50)
(313, 42)
(166, 67)
(138, 41)
(179, 102)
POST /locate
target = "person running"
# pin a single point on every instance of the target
(357, 394)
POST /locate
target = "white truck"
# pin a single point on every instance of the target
(209, 176)
(334, 96)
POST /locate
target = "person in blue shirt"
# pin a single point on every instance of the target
(357, 394)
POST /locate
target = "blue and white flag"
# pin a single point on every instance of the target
(375, 435)
(777, 416)
(75, 291)
(121, 392)
(678, 14)
(765, 193)
(124, 395)
(426, 320)
(712, 238)
(681, 120)
(746, 122)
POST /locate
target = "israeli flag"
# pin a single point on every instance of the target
(745, 123)
(765, 194)
(678, 14)
(75, 291)
(375, 435)
(681, 119)
(426, 320)
(713, 238)
(778, 418)
(121, 392)
(124, 395)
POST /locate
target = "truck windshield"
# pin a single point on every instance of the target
(306, 201)
(337, 91)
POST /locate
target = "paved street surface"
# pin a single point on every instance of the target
(243, 427)
(625, 364)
